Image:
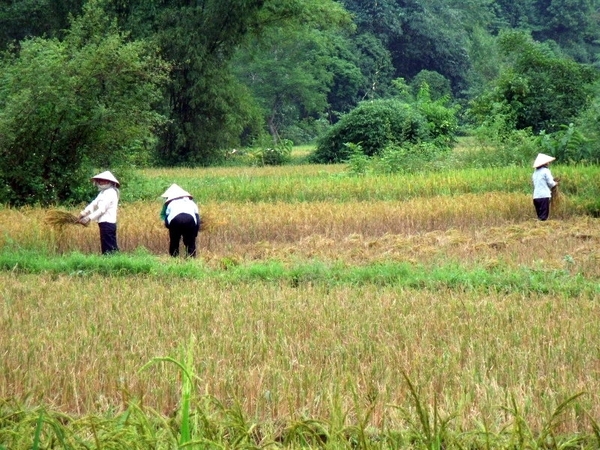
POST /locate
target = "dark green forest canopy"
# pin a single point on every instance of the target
(210, 108)
(289, 69)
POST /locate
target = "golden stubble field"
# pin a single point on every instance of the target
(468, 228)
(281, 351)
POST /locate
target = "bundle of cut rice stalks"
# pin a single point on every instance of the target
(57, 218)
(208, 223)
(556, 197)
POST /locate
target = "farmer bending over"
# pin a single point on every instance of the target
(182, 218)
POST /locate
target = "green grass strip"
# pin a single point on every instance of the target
(577, 181)
(401, 274)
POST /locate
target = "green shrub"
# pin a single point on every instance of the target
(373, 125)
(442, 122)
(566, 145)
(588, 125)
(273, 154)
(407, 158)
(358, 162)
(380, 123)
(499, 144)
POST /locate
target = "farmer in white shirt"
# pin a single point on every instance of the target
(103, 209)
(543, 182)
(182, 218)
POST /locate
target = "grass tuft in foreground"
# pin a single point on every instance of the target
(206, 423)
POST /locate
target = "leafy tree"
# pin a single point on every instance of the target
(20, 19)
(519, 15)
(67, 106)
(384, 18)
(580, 140)
(362, 70)
(375, 63)
(432, 39)
(209, 108)
(424, 34)
(570, 23)
(350, 83)
(286, 72)
(536, 88)
(438, 85)
(290, 70)
(485, 61)
(573, 24)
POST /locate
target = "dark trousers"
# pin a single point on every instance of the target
(542, 207)
(108, 237)
(183, 225)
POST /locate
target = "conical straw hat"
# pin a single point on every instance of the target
(169, 190)
(542, 159)
(107, 176)
(175, 192)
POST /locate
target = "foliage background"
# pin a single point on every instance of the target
(217, 76)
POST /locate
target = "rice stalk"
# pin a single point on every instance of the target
(432, 431)
(58, 218)
(595, 428)
(307, 432)
(38, 431)
(520, 429)
(556, 196)
(547, 432)
(186, 390)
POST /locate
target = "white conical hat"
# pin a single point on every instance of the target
(174, 192)
(107, 176)
(542, 159)
(169, 190)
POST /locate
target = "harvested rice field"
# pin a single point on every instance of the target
(427, 321)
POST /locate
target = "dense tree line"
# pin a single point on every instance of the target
(230, 72)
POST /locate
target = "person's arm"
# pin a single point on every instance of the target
(167, 212)
(89, 208)
(550, 180)
(84, 215)
(198, 219)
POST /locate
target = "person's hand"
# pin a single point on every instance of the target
(84, 220)
(83, 214)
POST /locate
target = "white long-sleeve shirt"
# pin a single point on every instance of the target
(104, 207)
(181, 205)
(542, 183)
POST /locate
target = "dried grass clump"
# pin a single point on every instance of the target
(57, 218)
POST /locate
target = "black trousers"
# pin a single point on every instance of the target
(542, 207)
(183, 226)
(108, 237)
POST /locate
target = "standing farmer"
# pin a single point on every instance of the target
(182, 218)
(103, 209)
(542, 185)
